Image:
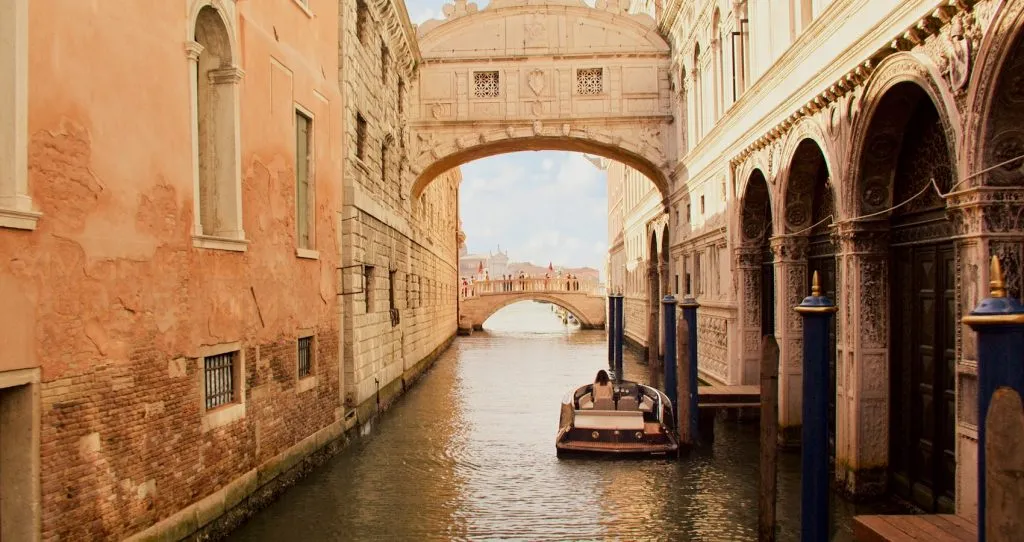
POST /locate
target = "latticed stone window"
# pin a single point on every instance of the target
(590, 81)
(485, 84)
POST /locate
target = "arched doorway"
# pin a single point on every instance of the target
(810, 215)
(755, 263)
(905, 150)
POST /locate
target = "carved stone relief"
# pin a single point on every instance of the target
(535, 80)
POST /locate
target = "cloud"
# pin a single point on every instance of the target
(539, 206)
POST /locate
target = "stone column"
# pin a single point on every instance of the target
(748, 266)
(790, 289)
(986, 221)
(862, 362)
(666, 289)
(653, 307)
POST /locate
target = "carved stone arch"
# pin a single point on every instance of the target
(879, 129)
(745, 171)
(996, 98)
(437, 153)
(226, 11)
(756, 224)
(807, 187)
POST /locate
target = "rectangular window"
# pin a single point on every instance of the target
(697, 284)
(391, 290)
(401, 97)
(220, 379)
(305, 356)
(486, 84)
(384, 164)
(384, 58)
(362, 21)
(303, 207)
(360, 137)
(702, 206)
(677, 284)
(368, 287)
(689, 213)
(590, 81)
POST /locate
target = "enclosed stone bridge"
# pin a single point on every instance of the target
(584, 300)
(541, 75)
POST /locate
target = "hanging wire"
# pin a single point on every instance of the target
(982, 172)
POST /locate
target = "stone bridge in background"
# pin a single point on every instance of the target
(584, 300)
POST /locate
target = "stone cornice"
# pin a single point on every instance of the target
(475, 59)
(928, 25)
(398, 27)
(574, 121)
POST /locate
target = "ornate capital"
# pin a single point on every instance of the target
(749, 257)
(193, 49)
(226, 76)
(789, 249)
(866, 237)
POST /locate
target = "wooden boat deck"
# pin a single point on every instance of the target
(934, 528)
(728, 396)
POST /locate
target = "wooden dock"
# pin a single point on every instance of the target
(728, 396)
(933, 528)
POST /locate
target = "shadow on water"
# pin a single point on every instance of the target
(469, 454)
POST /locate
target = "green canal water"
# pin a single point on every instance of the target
(469, 454)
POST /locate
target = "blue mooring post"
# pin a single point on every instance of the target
(690, 306)
(668, 305)
(610, 324)
(817, 311)
(619, 337)
(999, 322)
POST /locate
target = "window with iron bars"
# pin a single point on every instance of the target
(305, 356)
(219, 372)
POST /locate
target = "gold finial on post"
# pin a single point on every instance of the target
(996, 285)
(815, 286)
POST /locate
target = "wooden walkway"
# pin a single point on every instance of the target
(728, 396)
(933, 528)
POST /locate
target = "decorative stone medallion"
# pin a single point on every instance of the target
(536, 81)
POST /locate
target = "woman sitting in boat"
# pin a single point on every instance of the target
(602, 387)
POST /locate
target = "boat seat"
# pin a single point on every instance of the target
(586, 402)
(604, 403)
(627, 402)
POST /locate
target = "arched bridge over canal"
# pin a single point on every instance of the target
(584, 300)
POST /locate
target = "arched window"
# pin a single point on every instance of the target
(16, 209)
(216, 175)
(698, 105)
(741, 51)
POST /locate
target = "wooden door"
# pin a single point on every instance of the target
(922, 363)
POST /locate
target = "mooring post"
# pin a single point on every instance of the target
(999, 322)
(668, 305)
(620, 336)
(683, 414)
(769, 439)
(817, 311)
(610, 320)
(690, 306)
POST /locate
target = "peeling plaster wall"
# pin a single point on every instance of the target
(108, 295)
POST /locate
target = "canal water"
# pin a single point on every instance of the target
(469, 454)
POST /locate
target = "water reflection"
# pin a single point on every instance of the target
(469, 454)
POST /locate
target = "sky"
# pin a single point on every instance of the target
(539, 206)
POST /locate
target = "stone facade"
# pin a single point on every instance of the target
(791, 123)
(181, 337)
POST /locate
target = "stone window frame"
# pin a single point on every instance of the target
(304, 6)
(477, 80)
(228, 76)
(362, 21)
(222, 415)
(16, 208)
(23, 515)
(311, 251)
(310, 381)
(582, 71)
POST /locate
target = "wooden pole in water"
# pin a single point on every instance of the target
(769, 439)
(683, 382)
(1004, 487)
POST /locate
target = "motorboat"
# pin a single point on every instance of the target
(636, 420)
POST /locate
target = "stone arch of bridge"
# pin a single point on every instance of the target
(500, 302)
(558, 75)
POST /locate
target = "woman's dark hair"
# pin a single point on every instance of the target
(602, 377)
